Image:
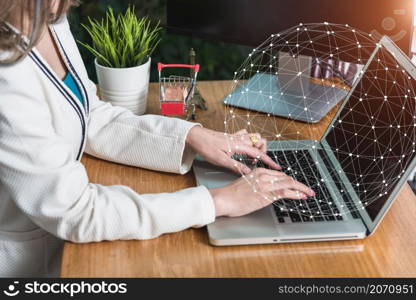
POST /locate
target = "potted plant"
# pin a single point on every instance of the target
(122, 46)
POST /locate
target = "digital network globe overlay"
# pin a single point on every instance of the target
(333, 83)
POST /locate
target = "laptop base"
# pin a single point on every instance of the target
(262, 226)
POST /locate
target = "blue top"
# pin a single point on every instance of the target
(73, 86)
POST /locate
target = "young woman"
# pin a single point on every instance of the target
(50, 115)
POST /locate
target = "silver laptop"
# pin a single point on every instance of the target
(290, 91)
(356, 169)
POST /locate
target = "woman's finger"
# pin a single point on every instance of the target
(243, 139)
(262, 145)
(282, 194)
(253, 138)
(257, 154)
(297, 186)
(272, 179)
(236, 166)
(290, 194)
(278, 187)
(263, 171)
(246, 139)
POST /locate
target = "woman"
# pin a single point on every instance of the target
(50, 115)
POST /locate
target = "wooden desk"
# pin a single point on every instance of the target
(390, 252)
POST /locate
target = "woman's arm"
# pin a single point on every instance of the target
(148, 141)
(39, 173)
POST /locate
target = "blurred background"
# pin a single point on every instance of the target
(172, 49)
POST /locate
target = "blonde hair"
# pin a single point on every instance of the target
(30, 17)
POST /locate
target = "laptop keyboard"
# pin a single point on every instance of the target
(300, 165)
(341, 188)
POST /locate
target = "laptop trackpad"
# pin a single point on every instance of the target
(213, 176)
(256, 226)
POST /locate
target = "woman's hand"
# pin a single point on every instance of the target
(255, 191)
(218, 148)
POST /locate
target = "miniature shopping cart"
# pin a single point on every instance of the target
(176, 92)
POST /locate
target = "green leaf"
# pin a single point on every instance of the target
(122, 41)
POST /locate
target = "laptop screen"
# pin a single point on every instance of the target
(373, 137)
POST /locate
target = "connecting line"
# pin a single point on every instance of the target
(373, 137)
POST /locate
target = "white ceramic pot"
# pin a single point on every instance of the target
(126, 87)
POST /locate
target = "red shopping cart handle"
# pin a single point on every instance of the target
(160, 66)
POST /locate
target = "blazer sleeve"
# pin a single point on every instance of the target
(38, 171)
(148, 141)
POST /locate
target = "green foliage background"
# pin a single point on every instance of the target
(218, 60)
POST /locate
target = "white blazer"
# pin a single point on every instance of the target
(45, 194)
